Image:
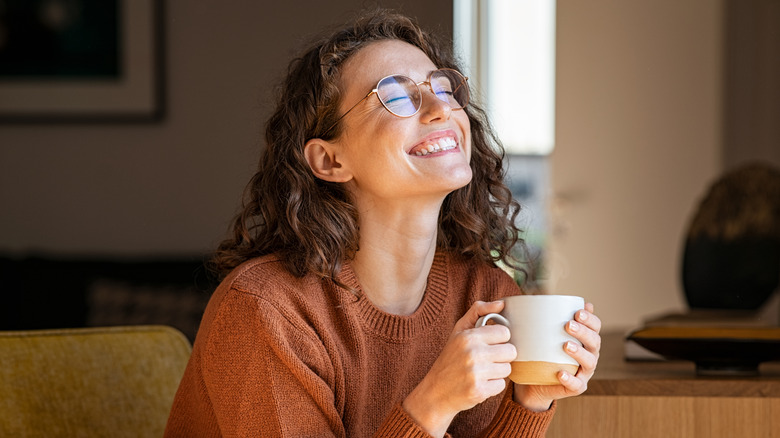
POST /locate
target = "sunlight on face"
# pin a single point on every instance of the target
(424, 156)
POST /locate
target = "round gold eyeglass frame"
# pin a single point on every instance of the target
(418, 105)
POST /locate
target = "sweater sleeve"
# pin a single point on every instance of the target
(513, 420)
(400, 424)
(266, 376)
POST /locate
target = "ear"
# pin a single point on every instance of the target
(324, 159)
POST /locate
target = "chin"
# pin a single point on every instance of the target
(461, 177)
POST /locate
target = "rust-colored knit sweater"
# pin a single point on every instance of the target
(281, 356)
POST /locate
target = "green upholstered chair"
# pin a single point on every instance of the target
(89, 382)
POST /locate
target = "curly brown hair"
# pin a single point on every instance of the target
(312, 224)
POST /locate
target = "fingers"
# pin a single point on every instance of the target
(486, 344)
(474, 364)
(490, 373)
(502, 353)
(484, 387)
(573, 384)
(494, 387)
(587, 354)
(589, 338)
(586, 327)
(491, 379)
(587, 317)
(492, 334)
(585, 358)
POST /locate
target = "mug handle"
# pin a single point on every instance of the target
(492, 317)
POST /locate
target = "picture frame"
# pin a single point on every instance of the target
(132, 92)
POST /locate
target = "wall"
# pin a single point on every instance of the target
(168, 188)
(638, 139)
(752, 77)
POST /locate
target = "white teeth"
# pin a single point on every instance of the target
(439, 145)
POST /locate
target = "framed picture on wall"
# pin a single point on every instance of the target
(81, 60)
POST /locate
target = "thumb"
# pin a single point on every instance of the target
(477, 310)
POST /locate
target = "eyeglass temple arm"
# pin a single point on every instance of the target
(465, 79)
(375, 90)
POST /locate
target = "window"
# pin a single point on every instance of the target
(508, 47)
(508, 51)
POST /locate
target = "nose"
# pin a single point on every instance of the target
(432, 108)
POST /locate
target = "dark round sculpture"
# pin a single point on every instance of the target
(731, 258)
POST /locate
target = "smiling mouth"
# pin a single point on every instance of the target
(433, 146)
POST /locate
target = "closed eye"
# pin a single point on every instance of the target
(393, 100)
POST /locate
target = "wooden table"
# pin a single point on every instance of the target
(667, 399)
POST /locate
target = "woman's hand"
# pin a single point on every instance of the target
(585, 328)
(472, 367)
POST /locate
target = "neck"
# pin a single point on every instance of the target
(397, 247)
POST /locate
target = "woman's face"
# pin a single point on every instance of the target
(380, 149)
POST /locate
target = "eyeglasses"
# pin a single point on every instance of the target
(402, 96)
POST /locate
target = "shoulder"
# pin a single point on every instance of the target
(261, 299)
(261, 305)
(266, 282)
(258, 275)
(261, 318)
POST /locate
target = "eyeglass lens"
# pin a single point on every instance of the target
(402, 96)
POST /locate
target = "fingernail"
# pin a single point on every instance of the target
(565, 376)
(573, 326)
(583, 316)
(571, 346)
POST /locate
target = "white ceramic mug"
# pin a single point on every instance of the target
(537, 326)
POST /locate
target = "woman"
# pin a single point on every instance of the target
(362, 259)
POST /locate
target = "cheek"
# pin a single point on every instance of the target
(465, 126)
(469, 147)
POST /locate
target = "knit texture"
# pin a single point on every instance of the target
(281, 356)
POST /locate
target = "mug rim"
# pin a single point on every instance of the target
(543, 295)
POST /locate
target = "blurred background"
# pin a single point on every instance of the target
(653, 100)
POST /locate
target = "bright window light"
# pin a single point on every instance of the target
(508, 47)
